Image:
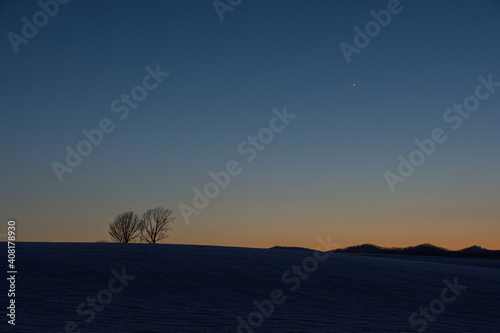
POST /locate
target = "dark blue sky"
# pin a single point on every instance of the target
(323, 174)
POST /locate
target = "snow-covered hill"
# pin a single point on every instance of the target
(85, 287)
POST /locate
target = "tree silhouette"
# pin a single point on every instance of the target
(125, 227)
(155, 224)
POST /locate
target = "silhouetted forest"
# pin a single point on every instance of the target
(419, 250)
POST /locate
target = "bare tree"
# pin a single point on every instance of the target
(155, 224)
(125, 227)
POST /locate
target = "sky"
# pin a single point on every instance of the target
(329, 122)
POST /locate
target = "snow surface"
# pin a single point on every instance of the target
(187, 288)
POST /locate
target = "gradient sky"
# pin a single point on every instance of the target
(322, 175)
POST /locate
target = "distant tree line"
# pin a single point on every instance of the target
(152, 226)
(424, 250)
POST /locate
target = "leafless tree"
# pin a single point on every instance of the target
(125, 227)
(155, 224)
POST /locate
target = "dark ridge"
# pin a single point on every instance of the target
(292, 248)
(424, 250)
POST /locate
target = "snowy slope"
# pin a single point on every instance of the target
(183, 288)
